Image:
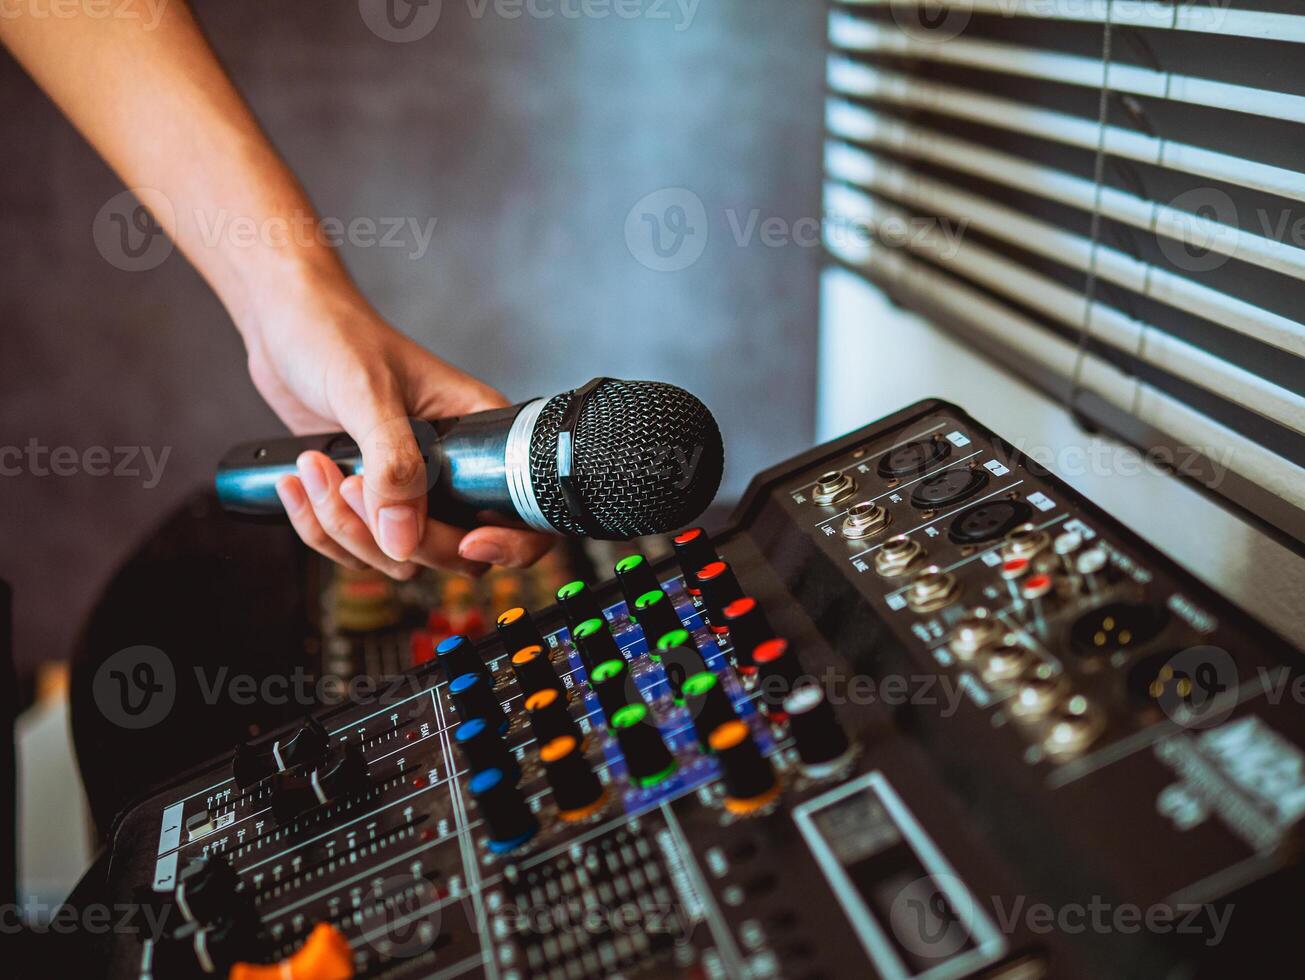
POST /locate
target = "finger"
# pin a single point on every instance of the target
(439, 549)
(322, 480)
(304, 521)
(506, 546)
(394, 473)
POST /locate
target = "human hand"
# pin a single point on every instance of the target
(324, 360)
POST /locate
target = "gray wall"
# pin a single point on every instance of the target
(529, 140)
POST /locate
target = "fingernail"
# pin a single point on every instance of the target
(485, 551)
(314, 479)
(399, 531)
(291, 494)
(352, 492)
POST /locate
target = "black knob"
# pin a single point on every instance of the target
(675, 638)
(474, 698)
(576, 788)
(196, 950)
(719, 589)
(343, 773)
(681, 663)
(595, 644)
(549, 717)
(517, 630)
(208, 890)
(504, 810)
(484, 748)
(750, 782)
(821, 741)
(778, 671)
(535, 671)
(615, 688)
(647, 759)
(457, 655)
(636, 576)
(656, 615)
(694, 551)
(578, 603)
(708, 703)
(306, 747)
(248, 765)
(748, 628)
(292, 794)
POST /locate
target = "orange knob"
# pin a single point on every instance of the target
(325, 955)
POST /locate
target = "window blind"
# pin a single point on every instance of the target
(1106, 195)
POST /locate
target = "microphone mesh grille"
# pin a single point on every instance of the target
(647, 455)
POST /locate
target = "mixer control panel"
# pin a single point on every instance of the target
(917, 701)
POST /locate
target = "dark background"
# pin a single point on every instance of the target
(529, 140)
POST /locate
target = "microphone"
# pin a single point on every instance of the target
(611, 459)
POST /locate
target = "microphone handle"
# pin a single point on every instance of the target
(468, 466)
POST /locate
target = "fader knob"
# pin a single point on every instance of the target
(694, 551)
(248, 765)
(504, 809)
(719, 589)
(576, 788)
(304, 748)
(549, 718)
(595, 644)
(207, 890)
(750, 783)
(343, 773)
(821, 742)
(578, 604)
(748, 628)
(709, 706)
(656, 615)
(535, 671)
(647, 759)
(457, 655)
(484, 748)
(473, 698)
(636, 577)
(517, 630)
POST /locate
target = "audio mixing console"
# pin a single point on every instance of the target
(919, 711)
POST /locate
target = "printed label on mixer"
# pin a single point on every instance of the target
(995, 468)
(958, 439)
(1041, 501)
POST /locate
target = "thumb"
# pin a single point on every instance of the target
(394, 472)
